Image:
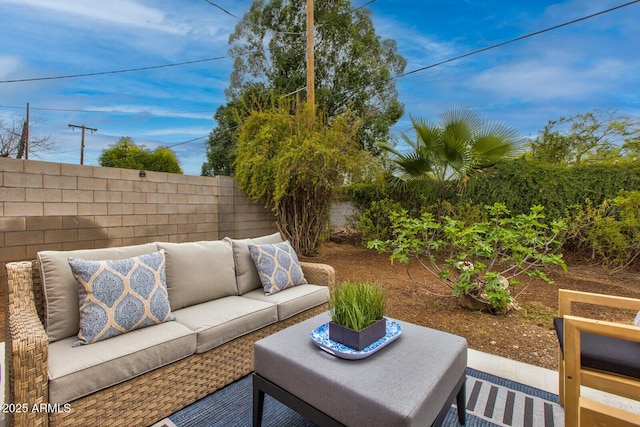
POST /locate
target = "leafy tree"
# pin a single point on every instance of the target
(631, 146)
(13, 144)
(448, 150)
(127, 154)
(594, 136)
(292, 163)
(221, 145)
(551, 146)
(353, 65)
(162, 159)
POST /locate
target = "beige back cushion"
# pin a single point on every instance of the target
(246, 273)
(198, 272)
(62, 310)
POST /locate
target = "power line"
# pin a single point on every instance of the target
(102, 111)
(223, 9)
(177, 64)
(322, 24)
(253, 24)
(475, 52)
(129, 70)
(536, 33)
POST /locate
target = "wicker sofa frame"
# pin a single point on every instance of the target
(140, 401)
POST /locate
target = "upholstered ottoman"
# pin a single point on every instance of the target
(412, 381)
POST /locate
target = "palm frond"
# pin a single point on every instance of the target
(414, 164)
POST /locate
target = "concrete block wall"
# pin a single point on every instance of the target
(54, 206)
(342, 213)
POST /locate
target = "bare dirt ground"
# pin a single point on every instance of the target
(526, 335)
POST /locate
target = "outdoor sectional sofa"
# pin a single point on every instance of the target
(140, 377)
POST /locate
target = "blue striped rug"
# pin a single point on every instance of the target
(491, 401)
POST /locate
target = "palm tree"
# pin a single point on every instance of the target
(449, 150)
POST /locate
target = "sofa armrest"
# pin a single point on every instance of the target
(27, 347)
(319, 274)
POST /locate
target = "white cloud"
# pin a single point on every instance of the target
(153, 111)
(121, 12)
(9, 64)
(181, 131)
(549, 77)
(418, 47)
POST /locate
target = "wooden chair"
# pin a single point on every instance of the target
(600, 355)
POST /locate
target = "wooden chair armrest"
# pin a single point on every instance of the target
(319, 274)
(566, 297)
(27, 346)
(574, 377)
(599, 327)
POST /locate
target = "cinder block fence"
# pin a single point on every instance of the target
(57, 206)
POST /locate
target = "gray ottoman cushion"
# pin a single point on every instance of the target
(405, 384)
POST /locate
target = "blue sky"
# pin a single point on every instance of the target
(575, 69)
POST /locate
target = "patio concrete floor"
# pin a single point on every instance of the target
(535, 376)
(544, 379)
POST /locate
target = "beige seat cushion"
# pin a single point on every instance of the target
(198, 272)
(62, 309)
(78, 371)
(218, 321)
(292, 301)
(246, 273)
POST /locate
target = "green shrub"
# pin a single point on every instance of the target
(356, 305)
(374, 223)
(478, 257)
(609, 232)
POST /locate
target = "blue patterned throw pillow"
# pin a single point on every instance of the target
(119, 296)
(278, 266)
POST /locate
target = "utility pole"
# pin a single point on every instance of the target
(23, 144)
(311, 96)
(26, 137)
(83, 127)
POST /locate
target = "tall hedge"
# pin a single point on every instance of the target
(521, 184)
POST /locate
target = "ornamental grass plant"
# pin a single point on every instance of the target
(356, 305)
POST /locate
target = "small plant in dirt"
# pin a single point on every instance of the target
(480, 261)
(356, 305)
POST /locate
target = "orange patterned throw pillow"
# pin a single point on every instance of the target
(278, 266)
(119, 296)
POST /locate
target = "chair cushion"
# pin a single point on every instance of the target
(605, 353)
(246, 273)
(119, 296)
(294, 300)
(198, 272)
(62, 313)
(79, 371)
(224, 319)
(278, 266)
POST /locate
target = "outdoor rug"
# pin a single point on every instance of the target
(491, 401)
